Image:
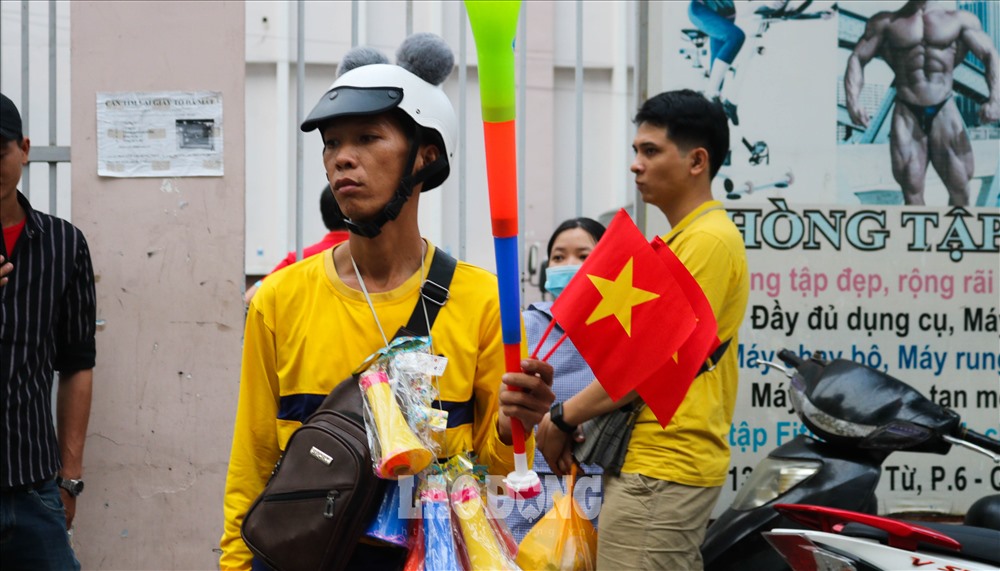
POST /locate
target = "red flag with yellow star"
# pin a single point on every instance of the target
(625, 312)
(665, 392)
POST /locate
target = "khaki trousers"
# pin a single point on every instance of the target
(652, 524)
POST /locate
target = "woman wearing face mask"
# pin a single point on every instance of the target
(569, 246)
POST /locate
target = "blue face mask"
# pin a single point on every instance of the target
(557, 277)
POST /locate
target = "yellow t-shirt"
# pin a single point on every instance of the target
(306, 331)
(693, 449)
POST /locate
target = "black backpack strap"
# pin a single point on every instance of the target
(433, 295)
(714, 358)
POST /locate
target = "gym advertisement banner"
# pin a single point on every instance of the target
(864, 177)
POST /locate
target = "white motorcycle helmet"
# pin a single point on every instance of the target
(368, 86)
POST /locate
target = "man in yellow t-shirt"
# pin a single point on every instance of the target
(387, 134)
(655, 512)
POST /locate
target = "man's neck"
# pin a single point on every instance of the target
(384, 262)
(682, 206)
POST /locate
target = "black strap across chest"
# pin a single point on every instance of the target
(433, 295)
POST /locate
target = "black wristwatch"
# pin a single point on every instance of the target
(74, 487)
(556, 416)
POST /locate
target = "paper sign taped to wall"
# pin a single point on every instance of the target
(159, 134)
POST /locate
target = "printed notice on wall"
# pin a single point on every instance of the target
(159, 134)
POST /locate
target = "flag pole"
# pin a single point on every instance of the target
(554, 347)
(545, 335)
(494, 26)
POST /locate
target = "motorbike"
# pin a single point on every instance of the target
(857, 416)
(850, 541)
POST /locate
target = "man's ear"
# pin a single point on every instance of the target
(698, 160)
(429, 154)
(26, 149)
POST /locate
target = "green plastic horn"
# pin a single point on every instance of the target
(494, 25)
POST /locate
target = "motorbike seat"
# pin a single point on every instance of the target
(978, 543)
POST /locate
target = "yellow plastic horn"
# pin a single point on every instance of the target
(402, 452)
(481, 542)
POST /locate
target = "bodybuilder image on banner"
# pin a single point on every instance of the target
(919, 102)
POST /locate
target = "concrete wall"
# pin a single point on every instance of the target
(168, 254)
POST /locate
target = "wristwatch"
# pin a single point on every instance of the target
(74, 487)
(556, 416)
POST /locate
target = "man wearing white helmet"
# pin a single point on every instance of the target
(388, 132)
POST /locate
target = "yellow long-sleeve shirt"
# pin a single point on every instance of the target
(306, 331)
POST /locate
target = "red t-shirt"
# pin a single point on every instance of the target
(11, 234)
(330, 240)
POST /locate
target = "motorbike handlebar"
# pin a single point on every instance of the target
(981, 440)
(790, 358)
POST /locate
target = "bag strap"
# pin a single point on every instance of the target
(345, 397)
(708, 365)
(433, 295)
(707, 210)
(714, 358)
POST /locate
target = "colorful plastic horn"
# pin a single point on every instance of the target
(494, 25)
(388, 526)
(439, 544)
(402, 452)
(481, 542)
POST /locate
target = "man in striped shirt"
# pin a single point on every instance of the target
(47, 322)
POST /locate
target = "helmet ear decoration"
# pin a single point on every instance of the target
(426, 56)
(359, 56)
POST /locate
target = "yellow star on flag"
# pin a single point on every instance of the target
(618, 297)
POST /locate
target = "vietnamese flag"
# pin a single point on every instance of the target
(668, 387)
(625, 312)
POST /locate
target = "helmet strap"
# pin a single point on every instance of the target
(372, 228)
